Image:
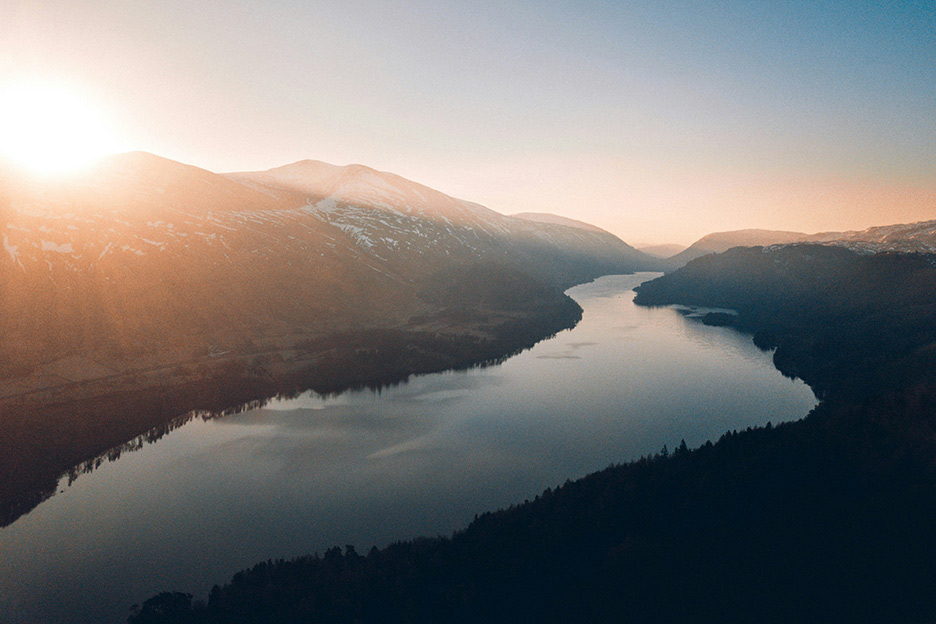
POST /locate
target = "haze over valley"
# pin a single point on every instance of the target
(350, 312)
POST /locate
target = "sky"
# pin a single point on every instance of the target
(660, 122)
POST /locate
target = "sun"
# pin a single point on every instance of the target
(50, 129)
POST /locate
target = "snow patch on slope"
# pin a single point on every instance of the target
(11, 249)
(54, 247)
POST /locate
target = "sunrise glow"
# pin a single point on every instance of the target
(51, 129)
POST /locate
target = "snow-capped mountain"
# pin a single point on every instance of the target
(400, 222)
(146, 258)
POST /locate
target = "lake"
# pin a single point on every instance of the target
(367, 468)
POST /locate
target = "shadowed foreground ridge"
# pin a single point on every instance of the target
(828, 519)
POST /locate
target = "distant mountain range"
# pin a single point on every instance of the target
(722, 241)
(145, 262)
(911, 237)
(662, 251)
(917, 237)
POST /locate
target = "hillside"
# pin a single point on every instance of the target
(148, 261)
(828, 519)
(417, 229)
(850, 302)
(147, 288)
(546, 217)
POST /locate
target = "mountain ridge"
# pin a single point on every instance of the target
(137, 215)
(388, 214)
(918, 237)
(548, 217)
(717, 242)
(145, 288)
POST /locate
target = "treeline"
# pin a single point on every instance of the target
(844, 322)
(828, 519)
(824, 520)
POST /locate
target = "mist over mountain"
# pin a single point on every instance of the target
(546, 217)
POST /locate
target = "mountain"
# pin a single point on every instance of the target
(403, 224)
(910, 237)
(146, 288)
(722, 241)
(917, 237)
(863, 310)
(149, 258)
(662, 251)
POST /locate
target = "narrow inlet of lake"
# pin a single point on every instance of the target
(367, 468)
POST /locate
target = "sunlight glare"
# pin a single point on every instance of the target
(52, 130)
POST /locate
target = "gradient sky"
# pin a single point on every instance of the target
(661, 122)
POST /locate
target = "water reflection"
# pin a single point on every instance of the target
(303, 473)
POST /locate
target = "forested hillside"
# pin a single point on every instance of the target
(828, 519)
(846, 322)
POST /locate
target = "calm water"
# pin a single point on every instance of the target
(364, 468)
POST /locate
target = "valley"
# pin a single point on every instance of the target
(823, 519)
(147, 288)
(152, 290)
(467, 313)
(187, 505)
